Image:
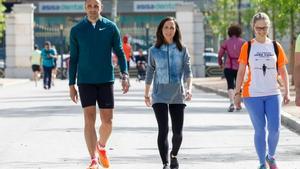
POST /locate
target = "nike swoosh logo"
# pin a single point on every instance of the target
(101, 29)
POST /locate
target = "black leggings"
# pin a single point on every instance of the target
(230, 75)
(177, 116)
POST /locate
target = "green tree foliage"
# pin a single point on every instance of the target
(283, 14)
(225, 12)
(2, 17)
(221, 15)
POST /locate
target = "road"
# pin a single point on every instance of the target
(43, 129)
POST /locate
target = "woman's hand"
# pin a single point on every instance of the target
(188, 95)
(286, 98)
(148, 101)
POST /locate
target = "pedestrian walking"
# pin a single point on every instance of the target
(232, 48)
(168, 67)
(261, 94)
(297, 69)
(54, 69)
(48, 56)
(36, 61)
(127, 50)
(91, 43)
(140, 61)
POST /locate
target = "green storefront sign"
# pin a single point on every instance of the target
(61, 7)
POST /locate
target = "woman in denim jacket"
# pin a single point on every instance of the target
(169, 65)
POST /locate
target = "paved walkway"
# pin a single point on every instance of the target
(43, 129)
(290, 115)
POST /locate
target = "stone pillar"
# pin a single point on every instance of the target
(190, 21)
(19, 41)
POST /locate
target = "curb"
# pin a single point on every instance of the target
(12, 82)
(287, 120)
(290, 122)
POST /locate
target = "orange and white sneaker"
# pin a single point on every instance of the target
(94, 164)
(103, 159)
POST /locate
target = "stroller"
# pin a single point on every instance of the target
(141, 67)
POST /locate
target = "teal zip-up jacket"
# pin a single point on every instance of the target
(91, 52)
(46, 61)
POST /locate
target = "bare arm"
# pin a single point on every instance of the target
(188, 94)
(147, 95)
(285, 78)
(240, 77)
(239, 83)
(189, 84)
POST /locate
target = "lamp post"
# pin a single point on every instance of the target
(239, 12)
(114, 10)
(147, 35)
(61, 29)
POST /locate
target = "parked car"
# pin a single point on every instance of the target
(211, 64)
(2, 68)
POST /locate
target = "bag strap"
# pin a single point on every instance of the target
(248, 51)
(276, 53)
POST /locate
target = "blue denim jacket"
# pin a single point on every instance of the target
(170, 68)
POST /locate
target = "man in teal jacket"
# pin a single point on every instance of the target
(91, 43)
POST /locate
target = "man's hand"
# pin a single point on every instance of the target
(73, 94)
(125, 83)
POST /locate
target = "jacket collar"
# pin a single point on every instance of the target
(87, 21)
(165, 47)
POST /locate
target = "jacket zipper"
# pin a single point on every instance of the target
(169, 65)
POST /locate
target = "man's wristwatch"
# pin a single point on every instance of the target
(124, 76)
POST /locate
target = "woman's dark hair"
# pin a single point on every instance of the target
(234, 30)
(160, 40)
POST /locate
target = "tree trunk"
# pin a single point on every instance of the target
(239, 13)
(114, 11)
(292, 44)
(274, 23)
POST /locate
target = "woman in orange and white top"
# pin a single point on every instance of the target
(261, 93)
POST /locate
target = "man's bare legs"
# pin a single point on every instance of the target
(89, 129)
(106, 116)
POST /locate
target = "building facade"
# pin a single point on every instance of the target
(136, 18)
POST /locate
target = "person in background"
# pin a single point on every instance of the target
(36, 61)
(140, 61)
(54, 69)
(48, 56)
(127, 50)
(232, 48)
(261, 93)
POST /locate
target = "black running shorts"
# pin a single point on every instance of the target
(103, 94)
(35, 68)
(230, 75)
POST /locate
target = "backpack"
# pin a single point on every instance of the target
(275, 49)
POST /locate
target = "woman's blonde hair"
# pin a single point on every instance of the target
(260, 16)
